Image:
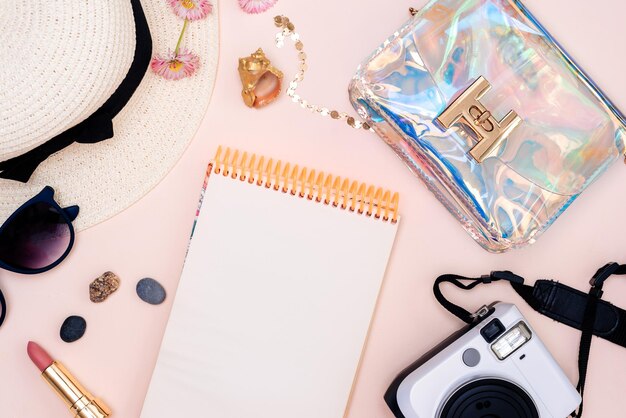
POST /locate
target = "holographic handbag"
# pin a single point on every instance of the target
(484, 105)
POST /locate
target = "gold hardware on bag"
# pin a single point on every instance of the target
(468, 108)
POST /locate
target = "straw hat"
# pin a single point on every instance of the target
(63, 60)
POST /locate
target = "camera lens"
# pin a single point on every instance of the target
(490, 398)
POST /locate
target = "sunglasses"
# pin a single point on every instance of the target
(36, 237)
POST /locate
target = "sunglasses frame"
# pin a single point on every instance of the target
(69, 214)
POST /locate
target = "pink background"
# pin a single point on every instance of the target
(116, 356)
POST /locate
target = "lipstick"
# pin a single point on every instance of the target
(80, 402)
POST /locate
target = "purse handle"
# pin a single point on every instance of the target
(585, 312)
(288, 31)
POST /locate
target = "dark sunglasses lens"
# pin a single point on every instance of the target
(35, 238)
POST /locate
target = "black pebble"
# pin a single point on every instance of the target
(150, 291)
(73, 328)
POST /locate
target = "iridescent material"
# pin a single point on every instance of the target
(570, 133)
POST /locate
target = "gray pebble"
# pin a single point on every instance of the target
(150, 291)
(73, 328)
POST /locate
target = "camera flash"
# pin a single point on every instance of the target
(511, 341)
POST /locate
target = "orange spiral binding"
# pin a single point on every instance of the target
(305, 183)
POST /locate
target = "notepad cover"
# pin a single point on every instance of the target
(273, 307)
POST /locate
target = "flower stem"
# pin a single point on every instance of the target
(180, 38)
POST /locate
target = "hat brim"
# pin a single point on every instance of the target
(151, 132)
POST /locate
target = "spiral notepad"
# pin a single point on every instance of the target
(277, 293)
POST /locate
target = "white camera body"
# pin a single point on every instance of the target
(491, 369)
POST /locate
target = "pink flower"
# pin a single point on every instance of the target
(256, 6)
(191, 9)
(175, 66)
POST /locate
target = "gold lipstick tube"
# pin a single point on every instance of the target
(81, 403)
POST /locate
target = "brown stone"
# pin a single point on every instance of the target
(103, 287)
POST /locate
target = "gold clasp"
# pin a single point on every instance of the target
(478, 118)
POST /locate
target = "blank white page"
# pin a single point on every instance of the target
(272, 310)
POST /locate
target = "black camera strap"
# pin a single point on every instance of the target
(586, 312)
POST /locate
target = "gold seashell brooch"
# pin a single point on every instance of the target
(261, 81)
